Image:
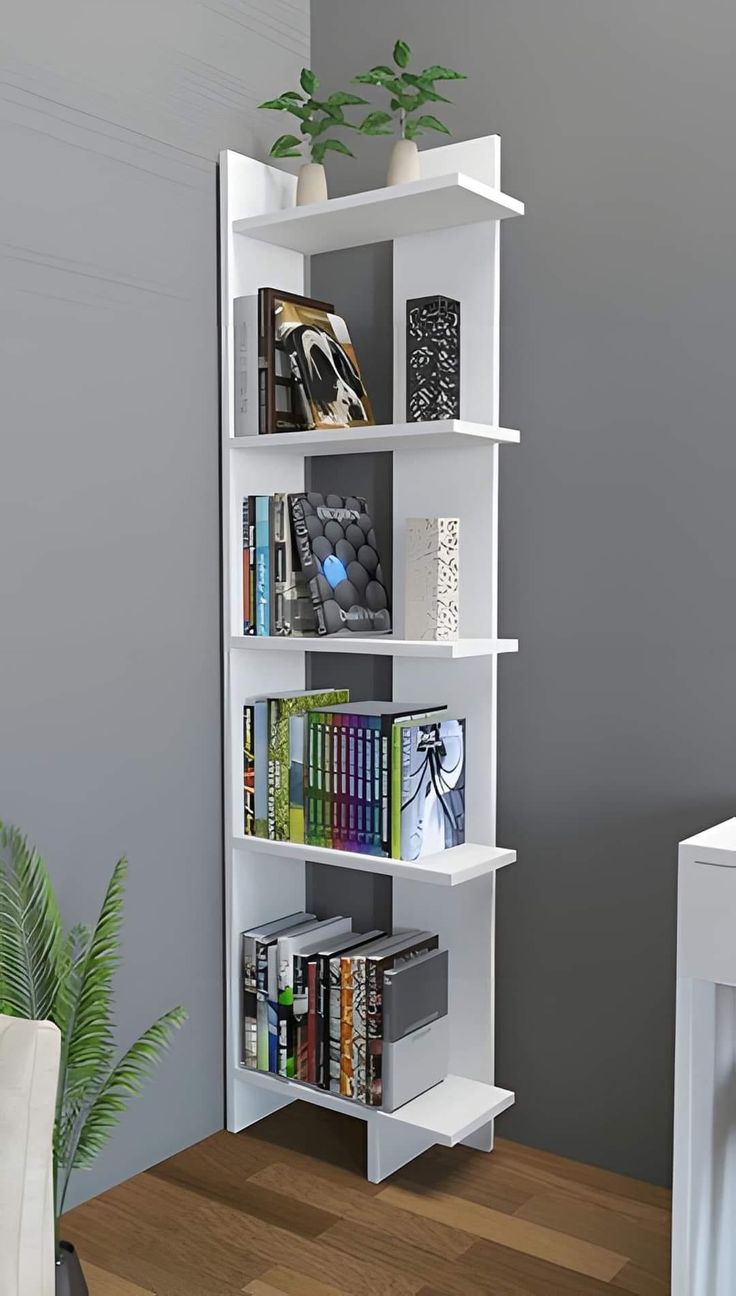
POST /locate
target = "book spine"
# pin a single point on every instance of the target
(261, 767)
(246, 567)
(329, 780)
(297, 779)
(352, 784)
(250, 1045)
(297, 1043)
(273, 719)
(387, 729)
(310, 781)
(374, 1033)
(272, 995)
(285, 1013)
(322, 1024)
(396, 800)
(312, 971)
(252, 564)
(346, 1027)
(333, 1023)
(263, 566)
(272, 508)
(306, 558)
(249, 771)
(261, 964)
(360, 1029)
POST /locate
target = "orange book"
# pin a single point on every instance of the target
(346, 1027)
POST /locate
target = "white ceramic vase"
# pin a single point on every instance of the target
(311, 184)
(404, 164)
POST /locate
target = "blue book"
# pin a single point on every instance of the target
(263, 565)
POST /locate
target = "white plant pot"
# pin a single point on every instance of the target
(404, 164)
(311, 185)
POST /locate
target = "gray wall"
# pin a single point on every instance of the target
(111, 118)
(617, 733)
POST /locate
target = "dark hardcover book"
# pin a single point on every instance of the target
(428, 801)
(376, 964)
(336, 545)
(282, 406)
(249, 770)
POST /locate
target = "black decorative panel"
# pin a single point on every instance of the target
(432, 359)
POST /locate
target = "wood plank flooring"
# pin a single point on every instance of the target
(285, 1210)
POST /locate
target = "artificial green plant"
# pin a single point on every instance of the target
(408, 93)
(316, 117)
(67, 978)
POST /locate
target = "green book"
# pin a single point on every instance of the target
(280, 711)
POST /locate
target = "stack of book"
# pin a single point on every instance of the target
(313, 1000)
(379, 778)
(311, 566)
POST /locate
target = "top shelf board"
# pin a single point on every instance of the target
(440, 202)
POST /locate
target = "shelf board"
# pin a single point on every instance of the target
(451, 1111)
(439, 202)
(448, 868)
(376, 645)
(440, 434)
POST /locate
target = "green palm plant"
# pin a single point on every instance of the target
(67, 978)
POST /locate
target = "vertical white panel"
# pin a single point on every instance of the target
(255, 889)
(460, 263)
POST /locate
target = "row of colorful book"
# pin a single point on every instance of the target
(311, 566)
(320, 1001)
(379, 778)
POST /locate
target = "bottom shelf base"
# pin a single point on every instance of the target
(450, 1113)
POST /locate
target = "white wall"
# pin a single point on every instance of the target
(112, 113)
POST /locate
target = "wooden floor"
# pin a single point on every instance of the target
(285, 1209)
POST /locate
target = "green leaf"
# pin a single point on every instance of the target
(95, 1123)
(439, 73)
(308, 81)
(329, 145)
(428, 122)
(31, 941)
(427, 93)
(343, 99)
(410, 128)
(375, 124)
(85, 1019)
(291, 94)
(402, 54)
(286, 146)
(379, 76)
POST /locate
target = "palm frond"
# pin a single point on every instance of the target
(125, 1081)
(30, 930)
(85, 1004)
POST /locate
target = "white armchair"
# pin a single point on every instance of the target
(29, 1069)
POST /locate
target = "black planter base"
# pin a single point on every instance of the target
(69, 1277)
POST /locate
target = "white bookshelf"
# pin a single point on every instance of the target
(445, 229)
